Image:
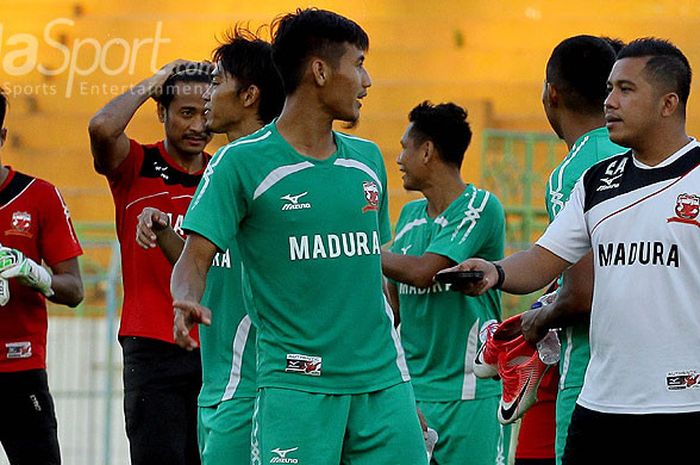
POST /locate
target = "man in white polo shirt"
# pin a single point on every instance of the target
(639, 213)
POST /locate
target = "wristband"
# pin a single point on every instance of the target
(501, 276)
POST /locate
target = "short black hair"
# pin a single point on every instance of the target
(186, 72)
(3, 107)
(300, 35)
(579, 68)
(243, 55)
(615, 43)
(667, 65)
(446, 126)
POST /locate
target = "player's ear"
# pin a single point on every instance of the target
(162, 112)
(669, 104)
(551, 94)
(250, 95)
(428, 151)
(320, 71)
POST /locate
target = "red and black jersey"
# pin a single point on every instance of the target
(35, 220)
(148, 177)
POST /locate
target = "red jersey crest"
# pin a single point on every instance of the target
(687, 209)
(21, 224)
(371, 195)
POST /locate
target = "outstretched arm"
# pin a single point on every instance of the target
(572, 305)
(415, 270)
(187, 285)
(523, 272)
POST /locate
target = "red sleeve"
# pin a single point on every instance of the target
(121, 178)
(57, 239)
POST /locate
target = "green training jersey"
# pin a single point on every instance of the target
(310, 234)
(228, 345)
(440, 328)
(588, 150)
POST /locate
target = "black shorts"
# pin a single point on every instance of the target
(607, 438)
(161, 384)
(28, 430)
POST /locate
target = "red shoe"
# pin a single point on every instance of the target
(521, 370)
(496, 338)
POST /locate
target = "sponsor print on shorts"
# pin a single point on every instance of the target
(681, 380)
(284, 455)
(305, 365)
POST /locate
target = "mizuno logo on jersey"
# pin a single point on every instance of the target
(348, 244)
(282, 455)
(293, 202)
(642, 253)
(613, 173)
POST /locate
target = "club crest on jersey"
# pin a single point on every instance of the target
(303, 364)
(687, 209)
(371, 195)
(680, 380)
(21, 224)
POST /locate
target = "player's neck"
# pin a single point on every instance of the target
(245, 127)
(574, 125)
(657, 149)
(187, 161)
(306, 127)
(441, 191)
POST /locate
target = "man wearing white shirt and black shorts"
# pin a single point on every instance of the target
(639, 213)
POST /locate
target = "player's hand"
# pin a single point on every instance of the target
(188, 314)
(13, 264)
(479, 287)
(422, 420)
(151, 221)
(157, 81)
(533, 322)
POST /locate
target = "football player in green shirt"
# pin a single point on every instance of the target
(575, 88)
(308, 209)
(439, 328)
(245, 93)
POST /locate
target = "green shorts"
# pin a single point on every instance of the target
(468, 432)
(302, 428)
(223, 432)
(566, 401)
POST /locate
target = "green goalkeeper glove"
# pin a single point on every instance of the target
(13, 264)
